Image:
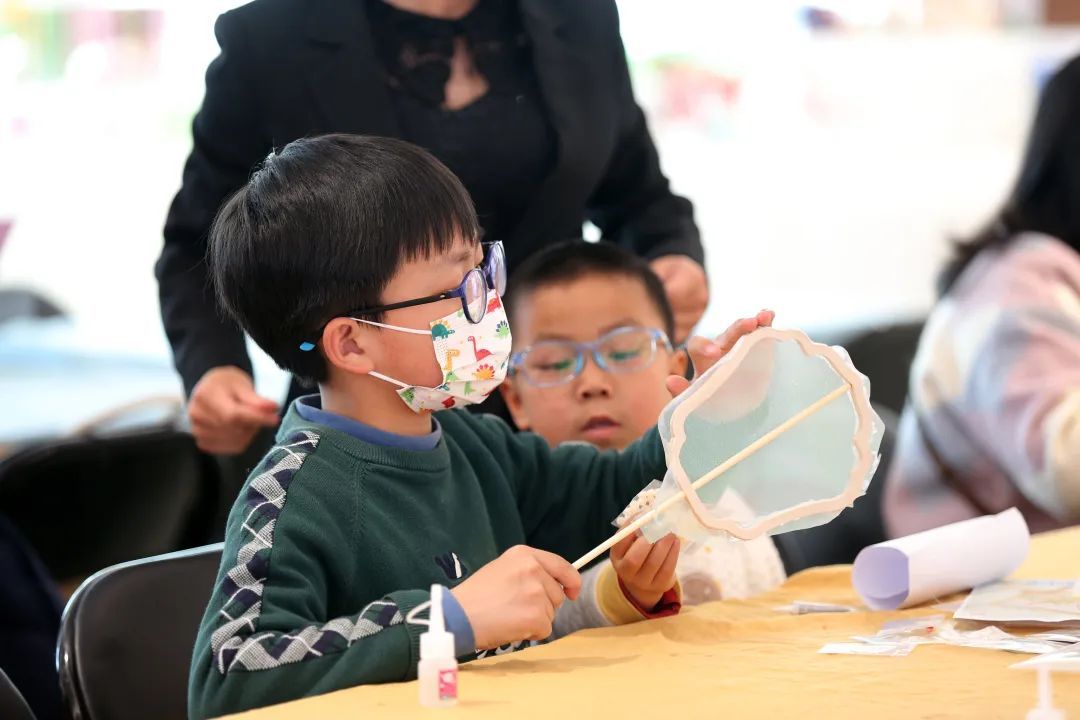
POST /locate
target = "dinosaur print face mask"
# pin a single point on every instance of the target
(473, 359)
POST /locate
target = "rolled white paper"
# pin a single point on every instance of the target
(935, 563)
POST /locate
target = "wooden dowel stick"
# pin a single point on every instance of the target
(708, 477)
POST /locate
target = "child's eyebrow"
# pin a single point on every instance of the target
(467, 255)
(550, 336)
(625, 322)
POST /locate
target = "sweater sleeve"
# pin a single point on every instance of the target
(274, 630)
(280, 651)
(603, 603)
(568, 496)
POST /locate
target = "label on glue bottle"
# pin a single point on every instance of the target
(438, 669)
(448, 684)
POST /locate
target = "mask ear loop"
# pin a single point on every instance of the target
(308, 346)
(413, 331)
(388, 379)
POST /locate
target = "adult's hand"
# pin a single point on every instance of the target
(226, 412)
(687, 289)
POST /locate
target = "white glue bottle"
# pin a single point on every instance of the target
(438, 668)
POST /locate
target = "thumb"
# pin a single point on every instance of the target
(563, 572)
(736, 331)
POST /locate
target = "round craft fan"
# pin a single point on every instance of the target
(781, 427)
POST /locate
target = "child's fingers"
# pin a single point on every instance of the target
(562, 572)
(744, 326)
(667, 569)
(652, 563)
(704, 353)
(658, 554)
(618, 551)
(554, 591)
(736, 330)
(702, 348)
(635, 556)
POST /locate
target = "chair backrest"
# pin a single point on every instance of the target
(127, 635)
(118, 497)
(30, 610)
(12, 704)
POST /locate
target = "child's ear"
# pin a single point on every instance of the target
(514, 405)
(346, 346)
(679, 363)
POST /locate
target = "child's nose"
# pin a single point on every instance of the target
(593, 381)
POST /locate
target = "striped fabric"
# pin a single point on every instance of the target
(237, 643)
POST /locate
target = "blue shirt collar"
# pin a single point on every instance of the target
(309, 407)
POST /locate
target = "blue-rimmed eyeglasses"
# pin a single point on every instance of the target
(473, 290)
(555, 362)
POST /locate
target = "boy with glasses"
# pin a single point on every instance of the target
(591, 364)
(355, 263)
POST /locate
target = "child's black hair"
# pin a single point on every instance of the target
(569, 261)
(321, 228)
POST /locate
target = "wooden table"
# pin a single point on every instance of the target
(735, 660)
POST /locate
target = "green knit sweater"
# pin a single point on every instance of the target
(333, 541)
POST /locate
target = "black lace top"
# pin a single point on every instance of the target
(501, 145)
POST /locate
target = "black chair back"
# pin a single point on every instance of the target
(90, 502)
(12, 704)
(127, 635)
(884, 354)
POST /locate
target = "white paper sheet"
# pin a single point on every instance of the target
(936, 563)
(1018, 601)
(893, 650)
(937, 630)
(1064, 660)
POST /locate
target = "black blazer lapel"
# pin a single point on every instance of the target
(573, 97)
(344, 72)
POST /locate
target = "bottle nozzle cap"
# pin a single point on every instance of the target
(436, 642)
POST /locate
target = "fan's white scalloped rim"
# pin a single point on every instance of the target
(861, 439)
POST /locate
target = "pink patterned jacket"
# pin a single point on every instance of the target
(993, 417)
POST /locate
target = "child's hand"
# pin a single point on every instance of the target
(704, 353)
(647, 571)
(514, 597)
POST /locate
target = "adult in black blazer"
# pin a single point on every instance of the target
(295, 68)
